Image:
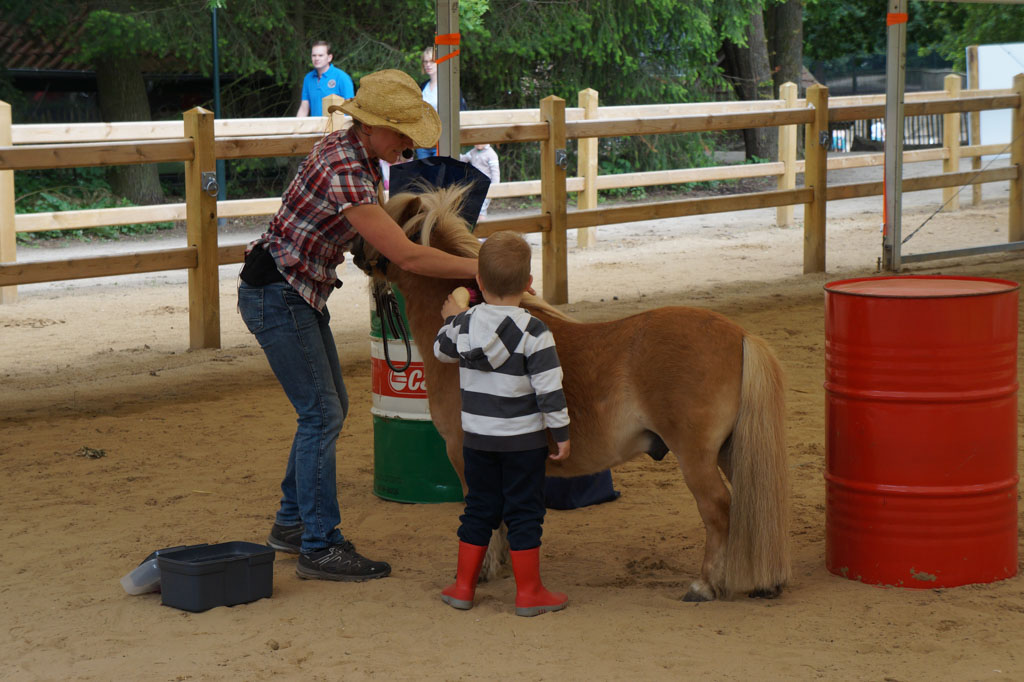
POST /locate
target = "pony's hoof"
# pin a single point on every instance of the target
(694, 597)
(698, 593)
(766, 592)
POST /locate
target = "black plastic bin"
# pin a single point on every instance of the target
(225, 574)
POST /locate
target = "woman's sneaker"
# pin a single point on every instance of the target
(285, 538)
(340, 562)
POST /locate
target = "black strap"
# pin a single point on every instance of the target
(390, 316)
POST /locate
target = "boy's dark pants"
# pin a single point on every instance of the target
(505, 486)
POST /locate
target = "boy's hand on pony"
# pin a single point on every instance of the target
(457, 302)
(563, 451)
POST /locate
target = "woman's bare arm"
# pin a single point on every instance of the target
(377, 227)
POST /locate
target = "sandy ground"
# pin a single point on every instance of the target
(194, 446)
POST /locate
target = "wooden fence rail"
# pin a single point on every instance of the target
(201, 141)
(236, 142)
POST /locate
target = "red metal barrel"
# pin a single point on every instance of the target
(921, 421)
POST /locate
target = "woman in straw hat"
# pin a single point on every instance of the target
(288, 275)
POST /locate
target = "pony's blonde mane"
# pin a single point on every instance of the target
(435, 212)
(435, 215)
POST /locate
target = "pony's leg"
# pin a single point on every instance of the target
(453, 446)
(705, 483)
(497, 554)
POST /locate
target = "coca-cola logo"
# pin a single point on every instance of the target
(408, 384)
(409, 381)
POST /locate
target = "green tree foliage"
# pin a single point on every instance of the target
(648, 51)
(513, 52)
(954, 27)
(643, 52)
(170, 32)
(836, 29)
(72, 189)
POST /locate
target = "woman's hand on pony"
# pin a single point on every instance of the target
(563, 451)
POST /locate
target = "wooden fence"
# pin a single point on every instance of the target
(198, 141)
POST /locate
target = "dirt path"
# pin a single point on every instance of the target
(195, 442)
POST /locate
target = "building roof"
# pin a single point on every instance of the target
(23, 48)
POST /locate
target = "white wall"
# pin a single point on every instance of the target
(997, 65)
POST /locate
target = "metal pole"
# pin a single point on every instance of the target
(448, 83)
(895, 83)
(221, 184)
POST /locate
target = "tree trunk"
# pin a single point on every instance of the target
(786, 40)
(750, 72)
(297, 71)
(298, 67)
(122, 97)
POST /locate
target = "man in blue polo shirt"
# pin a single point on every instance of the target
(325, 79)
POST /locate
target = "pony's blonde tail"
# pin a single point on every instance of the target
(757, 555)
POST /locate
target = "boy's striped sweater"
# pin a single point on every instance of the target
(510, 378)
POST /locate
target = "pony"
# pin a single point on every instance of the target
(673, 379)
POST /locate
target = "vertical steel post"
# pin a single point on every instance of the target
(895, 83)
(448, 82)
(222, 192)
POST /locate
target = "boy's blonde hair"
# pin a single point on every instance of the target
(504, 264)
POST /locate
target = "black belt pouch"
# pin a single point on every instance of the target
(260, 268)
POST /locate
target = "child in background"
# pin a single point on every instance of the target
(485, 160)
(512, 396)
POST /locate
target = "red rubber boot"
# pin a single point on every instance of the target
(459, 594)
(531, 597)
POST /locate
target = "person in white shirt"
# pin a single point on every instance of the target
(429, 93)
(485, 160)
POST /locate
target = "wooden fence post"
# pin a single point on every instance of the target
(1016, 217)
(951, 141)
(975, 119)
(8, 238)
(201, 230)
(587, 236)
(787, 154)
(816, 177)
(334, 118)
(554, 252)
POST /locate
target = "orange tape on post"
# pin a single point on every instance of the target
(447, 39)
(896, 18)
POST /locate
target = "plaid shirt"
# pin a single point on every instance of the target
(308, 234)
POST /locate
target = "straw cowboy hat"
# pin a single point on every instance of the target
(390, 98)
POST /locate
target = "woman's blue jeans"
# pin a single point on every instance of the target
(298, 343)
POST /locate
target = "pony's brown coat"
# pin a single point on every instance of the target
(710, 391)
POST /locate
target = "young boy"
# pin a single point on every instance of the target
(511, 397)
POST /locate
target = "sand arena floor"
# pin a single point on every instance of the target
(195, 443)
